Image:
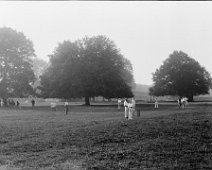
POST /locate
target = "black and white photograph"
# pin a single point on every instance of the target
(105, 85)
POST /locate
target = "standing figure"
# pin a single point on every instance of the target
(179, 102)
(184, 102)
(126, 108)
(5, 102)
(2, 103)
(18, 104)
(11, 103)
(119, 103)
(53, 106)
(66, 107)
(33, 103)
(131, 108)
(156, 103)
(133, 105)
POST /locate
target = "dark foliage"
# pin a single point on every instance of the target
(16, 74)
(87, 68)
(180, 75)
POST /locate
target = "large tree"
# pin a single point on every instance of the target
(16, 74)
(87, 68)
(181, 75)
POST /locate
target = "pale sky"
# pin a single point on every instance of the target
(146, 32)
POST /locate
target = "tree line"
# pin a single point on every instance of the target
(89, 67)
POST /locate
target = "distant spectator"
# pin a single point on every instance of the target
(156, 102)
(53, 106)
(66, 107)
(131, 108)
(2, 103)
(126, 108)
(119, 103)
(179, 102)
(11, 103)
(18, 104)
(33, 103)
(184, 102)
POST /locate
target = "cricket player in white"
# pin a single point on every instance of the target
(184, 102)
(126, 109)
(156, 103)
(66, 107)
(131, 108)
(53, 106)
(119, 103)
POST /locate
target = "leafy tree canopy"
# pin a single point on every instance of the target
(180, 75)
(16, 53)
(87, 68)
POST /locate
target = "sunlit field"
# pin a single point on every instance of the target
(100, 138)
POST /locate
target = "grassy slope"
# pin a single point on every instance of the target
(100, 138)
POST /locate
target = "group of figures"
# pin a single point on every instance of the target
(182, 102)
(129, 105)
(11, 103)
(129, 108)
(53, 106)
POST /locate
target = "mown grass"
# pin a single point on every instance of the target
(100, 138)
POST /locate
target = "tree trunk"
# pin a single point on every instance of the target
(87, 101)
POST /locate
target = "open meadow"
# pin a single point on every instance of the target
(99, 137)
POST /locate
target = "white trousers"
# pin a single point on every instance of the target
(156, 104)
(126, 112)
(131, 110)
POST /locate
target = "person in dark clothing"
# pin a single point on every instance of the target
(18, 104)
(33, 103)
(179, 102)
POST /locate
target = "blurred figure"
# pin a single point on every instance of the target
(4, 102)
(179, 102)
(18, 104)
(126, 108)
(1, 103)
(133, 105)
(66, 107)
(184, 102)
(11, 103)
(131, 108)
(156, 102)
(53, 106)
(119, 103)
(33, 103)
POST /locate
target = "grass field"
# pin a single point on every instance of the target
(100, 138)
